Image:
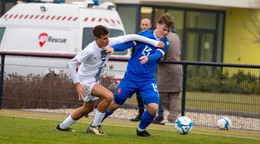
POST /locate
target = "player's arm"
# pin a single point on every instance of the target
(124, 46)
(155, 56)
(72, 66)
(136, 37)
(119, 47)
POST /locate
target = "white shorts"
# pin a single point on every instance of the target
(88, 87)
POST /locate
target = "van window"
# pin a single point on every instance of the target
(88, 37)
(2, 31)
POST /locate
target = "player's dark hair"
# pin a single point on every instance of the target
(99, 31)
(167, 20)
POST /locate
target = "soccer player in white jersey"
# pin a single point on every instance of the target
(92, 61)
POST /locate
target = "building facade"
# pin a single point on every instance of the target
(223, 31)
(211, 31)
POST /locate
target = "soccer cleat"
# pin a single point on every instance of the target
(68, 129)
(95, 129)
(143, 133)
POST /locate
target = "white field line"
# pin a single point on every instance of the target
(210, 134)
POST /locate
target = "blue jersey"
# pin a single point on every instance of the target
(140, 77)
(137, 70)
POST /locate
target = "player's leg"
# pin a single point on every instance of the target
(105, 98)
(125, 90)
(86, 108)
(112, 107)
(146, 120)
(150, 95)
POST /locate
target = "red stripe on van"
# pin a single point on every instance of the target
(10, 16)
(26, 17)
(20, 16)
(64, 18)
(100, 19)
(36, 17)
(42, 17)
(6, 16)
(93, 19)
(75, 18)
(53, 17)
(69, 18)
(31, 16)
(118, 22)
(47, 17)
(112, 20)
(86, 19)
(15, 16)
(58, 17)
(107, 20)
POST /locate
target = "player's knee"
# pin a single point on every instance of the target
(109, 97)
(153, 108)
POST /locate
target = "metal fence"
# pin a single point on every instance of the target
(209, 90)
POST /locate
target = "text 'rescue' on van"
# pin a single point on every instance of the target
(49, 28)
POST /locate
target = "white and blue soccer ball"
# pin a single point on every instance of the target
(224, 123)
(183, 125)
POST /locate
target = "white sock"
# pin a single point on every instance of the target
(67, 122)
(98, 118)
(139, 129)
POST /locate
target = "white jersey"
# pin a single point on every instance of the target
(93, 59)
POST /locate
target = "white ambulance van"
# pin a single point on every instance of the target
(51, 28)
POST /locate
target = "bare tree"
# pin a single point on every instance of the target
(252, 21)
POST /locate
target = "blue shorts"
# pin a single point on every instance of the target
(127, 87)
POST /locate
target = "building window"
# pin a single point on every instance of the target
(157, 14)
(201, 20)
(146, 12)
(179, 20)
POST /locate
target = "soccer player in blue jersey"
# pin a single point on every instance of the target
(139, 76)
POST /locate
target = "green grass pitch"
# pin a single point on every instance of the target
(20, 127)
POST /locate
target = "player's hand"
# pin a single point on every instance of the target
(143, 59)
(80, 90)
(109, 50)
(160, 45)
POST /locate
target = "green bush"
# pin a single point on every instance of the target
(215, 80)
(49, 91)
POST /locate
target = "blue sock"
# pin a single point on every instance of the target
(108, 113)
(146, 120)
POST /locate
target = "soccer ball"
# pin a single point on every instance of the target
(224, 123)
(183, 125)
